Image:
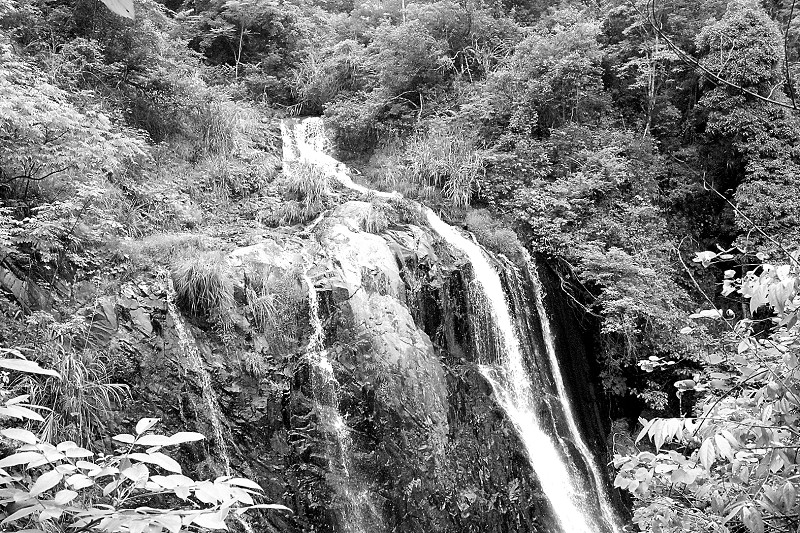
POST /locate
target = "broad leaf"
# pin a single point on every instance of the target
(19, 434)
(45, 482)
(65, 496)
(186, 436)
(22, 513)
(157, 458)
(145, 424)
(123, 8)
(30, 367)
(707, 454)
(20, 458)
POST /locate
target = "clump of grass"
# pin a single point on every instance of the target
(204, 286)
(274, 302)
(81, 400)
(307, 187)
(310, 184)
(375, 219)
(493, 234)
(442, 161)
(287, 213)
(216, 123)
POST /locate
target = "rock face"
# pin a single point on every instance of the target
(429, 448)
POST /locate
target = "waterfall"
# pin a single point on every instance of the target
(513, 388)
(579, 503)
(597, 477)
(189, 348)
(306, 141)
(359, 514)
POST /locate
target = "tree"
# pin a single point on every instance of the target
(734, 460)
(753, 145)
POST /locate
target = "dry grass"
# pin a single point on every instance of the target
(275, 299)
(440, 162)
(204, 286)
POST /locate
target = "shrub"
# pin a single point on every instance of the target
(353, 120)
(493, 234)
(324, 73)
(204, 286)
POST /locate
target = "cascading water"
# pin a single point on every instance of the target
(359, 514)
(307, 141)
(608, 513)
(576, 508)
(513, 389)
(189, 348)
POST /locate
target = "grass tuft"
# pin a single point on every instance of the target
(492, 234)
(376, 220)
(274, 302)
(441, 162)
(307, 188)
(204, 286)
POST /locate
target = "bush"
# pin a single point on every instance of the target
(353, 120)
(493, 234)
(204, 286)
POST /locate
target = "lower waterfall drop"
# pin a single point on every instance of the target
(359, 514)
(608, 512)
(512, 386)
(189, 348)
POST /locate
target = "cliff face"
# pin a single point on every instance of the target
(426, 447)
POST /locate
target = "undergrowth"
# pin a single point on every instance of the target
(80, 401)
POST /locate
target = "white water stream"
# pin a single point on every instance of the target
(509, 378)
(188, 346)
(512, 387)
(359, 514)
(609, 516)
